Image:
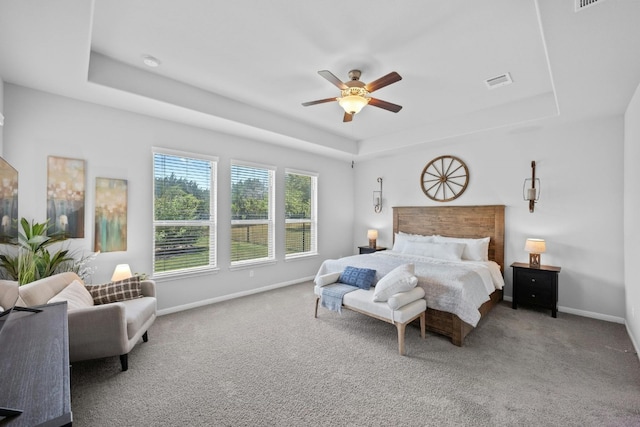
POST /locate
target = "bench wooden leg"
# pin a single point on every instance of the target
(401, 328)
(423, 323)
(316, 313)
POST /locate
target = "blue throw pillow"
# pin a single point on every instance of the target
(360, 277)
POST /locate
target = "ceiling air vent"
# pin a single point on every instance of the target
(497, 81)
(583, 4)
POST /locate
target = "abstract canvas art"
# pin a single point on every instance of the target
(8, 203)
(65, 196)
(111, 215)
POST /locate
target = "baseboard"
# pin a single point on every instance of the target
(231, 296)
(599, 316)
(633, 341)
(583, 313)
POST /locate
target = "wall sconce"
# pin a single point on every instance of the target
(377, 198)
(531, 188)
(122, 271)
(535, 247)
(372, 235)
(1, 120)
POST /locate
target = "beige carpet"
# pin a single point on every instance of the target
(263, 360)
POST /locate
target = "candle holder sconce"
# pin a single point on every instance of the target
(531, 188)
(377, 198)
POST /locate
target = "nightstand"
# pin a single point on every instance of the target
(370, 250)
(535, 286)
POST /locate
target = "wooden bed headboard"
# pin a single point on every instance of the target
(455, 221)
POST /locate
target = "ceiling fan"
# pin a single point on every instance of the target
(355, 94)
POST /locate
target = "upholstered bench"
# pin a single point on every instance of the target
(399, 309)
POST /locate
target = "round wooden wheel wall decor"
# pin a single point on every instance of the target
(444, 178)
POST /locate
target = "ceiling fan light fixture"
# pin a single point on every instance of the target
(352, 104)
(353, 99)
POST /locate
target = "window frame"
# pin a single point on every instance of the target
(313, 221)
(212, 222)
(270, 221)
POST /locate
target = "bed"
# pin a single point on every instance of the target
(459, 294)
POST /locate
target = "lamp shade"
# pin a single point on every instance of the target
(372, 234)
(535, 246)
(121, 272)
(352, 104)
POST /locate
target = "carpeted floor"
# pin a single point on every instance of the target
(263, 360)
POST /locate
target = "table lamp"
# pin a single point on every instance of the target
(535, 247)
(372, 235)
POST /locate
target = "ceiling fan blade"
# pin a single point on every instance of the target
(319, 101)
(383, 81)
(385, 105)
(333, 79)
(347, 117)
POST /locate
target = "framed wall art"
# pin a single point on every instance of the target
(8, 203)
(65, 196)
(110, 215)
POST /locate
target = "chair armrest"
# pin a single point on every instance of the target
(403, 298)
(148, 287)
(326, 279)
(98, 327)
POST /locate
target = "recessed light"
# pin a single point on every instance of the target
(150, 61)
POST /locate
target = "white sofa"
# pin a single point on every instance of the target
(400, 309)
(95, 331)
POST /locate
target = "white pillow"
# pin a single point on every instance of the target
(1, 309)
(475, 249)
(327, 279)
(76, 296)
(400, 279)
(446, 251)
(403, 298)
(400, 239)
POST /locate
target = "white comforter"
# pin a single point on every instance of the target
(455, 287)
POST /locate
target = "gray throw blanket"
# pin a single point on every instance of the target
(331, 296)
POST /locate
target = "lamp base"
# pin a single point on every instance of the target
(372, 243)
(534, 260)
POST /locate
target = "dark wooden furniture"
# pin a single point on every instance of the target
(456, 221)
(34, 367)
(370, 250)
(535, 286)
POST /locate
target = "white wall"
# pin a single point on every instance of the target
(1, 112)
(117, 144)
(631, 214)
(579, 213)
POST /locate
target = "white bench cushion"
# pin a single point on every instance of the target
(362, 300)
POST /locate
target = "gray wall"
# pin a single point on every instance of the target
(631, 215)
(118, 144)
(579, 213)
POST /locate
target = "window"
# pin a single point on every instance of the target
(300, 197)
(184, 216)
(252, 212)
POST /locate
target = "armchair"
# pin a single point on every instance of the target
(96, 331)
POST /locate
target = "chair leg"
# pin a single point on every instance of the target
(124, 361)
(423, 323)
(145, 337)
(316, 313)
(401, 328)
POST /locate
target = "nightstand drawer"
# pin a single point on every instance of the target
(534, 294)
(535, 279)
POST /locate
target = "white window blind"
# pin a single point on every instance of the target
(184, 216)
(252, 213)
(300, 214)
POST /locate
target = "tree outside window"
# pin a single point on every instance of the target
(184, 213)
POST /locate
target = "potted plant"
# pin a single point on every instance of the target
(32, 259)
